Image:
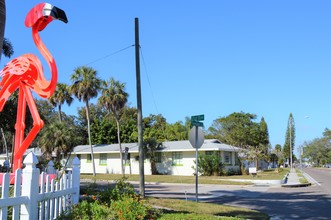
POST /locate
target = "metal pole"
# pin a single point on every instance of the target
(196, 167)
(139, 116)
(300, 158)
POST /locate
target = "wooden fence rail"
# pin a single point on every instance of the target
(39, 196)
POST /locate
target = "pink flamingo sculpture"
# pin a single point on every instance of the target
(26, 73)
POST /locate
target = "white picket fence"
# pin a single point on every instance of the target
(35, 195)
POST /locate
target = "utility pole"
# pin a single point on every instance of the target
(139, 117)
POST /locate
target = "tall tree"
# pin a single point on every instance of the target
(114, 98)
(318, 151)
(289, 139)
(279, 154)
(2, 23)
(264, 139)
(264, 133)
(60, 96)
(85, 86)
(238, 129)
(155, 127)
(177, 131)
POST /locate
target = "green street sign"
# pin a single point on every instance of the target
(197, 123)
(195, 120)
(198, 118)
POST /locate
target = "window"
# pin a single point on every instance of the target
(177, 158)
(103, 159)
(227, 158)
(78, 156)
(158, 157)
(89, 158)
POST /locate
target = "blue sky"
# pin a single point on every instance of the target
(212, 57)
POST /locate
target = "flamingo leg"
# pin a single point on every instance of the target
(19, 127)
(37, 125)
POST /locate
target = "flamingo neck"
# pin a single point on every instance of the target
(47, 87)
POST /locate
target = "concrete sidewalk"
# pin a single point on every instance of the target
(293, 180)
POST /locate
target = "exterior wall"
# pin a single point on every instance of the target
(133, 166)
(113, 165)
(166, 167)
(184, 169)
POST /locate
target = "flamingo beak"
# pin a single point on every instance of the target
(59, 14)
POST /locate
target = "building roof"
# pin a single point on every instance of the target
(168, 146)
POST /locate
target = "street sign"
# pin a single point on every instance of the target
(196, 137)
(195, 120)
(198, 118)
(197, 123)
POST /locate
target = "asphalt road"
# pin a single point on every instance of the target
(323, 178)
(313, 202)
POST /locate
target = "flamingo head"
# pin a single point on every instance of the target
(42, 14)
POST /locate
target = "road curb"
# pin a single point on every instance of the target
(296, 185)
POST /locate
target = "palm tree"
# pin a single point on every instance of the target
(59, 137)
(2, 23)
(85, 86)
(114, 98)
(61, 96)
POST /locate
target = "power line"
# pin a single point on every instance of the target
(149, 83)
(109, 55)
(150, 86)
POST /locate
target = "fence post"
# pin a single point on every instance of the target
(75, 179)
(50, 168)
(30, 178)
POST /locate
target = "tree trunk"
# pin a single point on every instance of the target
(60, 115)
(89, 135)
(153, 167)
(2, 23)
(119, 142)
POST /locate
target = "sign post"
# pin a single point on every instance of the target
(196, 140)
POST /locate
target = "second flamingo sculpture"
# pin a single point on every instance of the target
(25, 73)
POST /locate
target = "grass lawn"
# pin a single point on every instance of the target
(223, 180)
(181, 209)
(271, 174)
(302, 179)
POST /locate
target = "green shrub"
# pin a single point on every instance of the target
(121, 189)
(209, 165)
(130, 208)
(119, 202)
(231, 172)
(86, 210)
